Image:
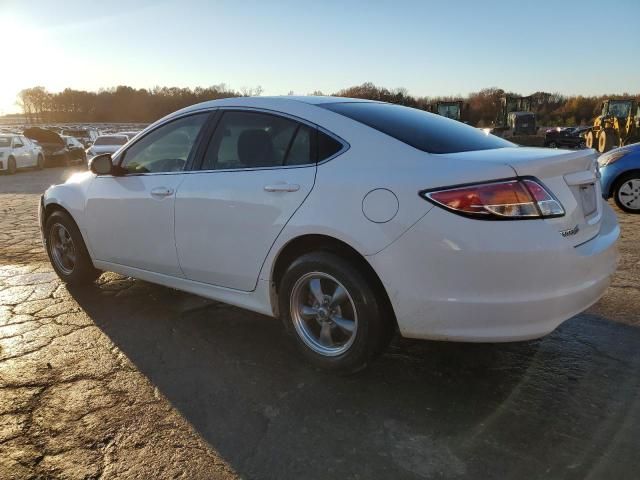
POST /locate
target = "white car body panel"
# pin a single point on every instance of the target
(221, 213)
(127, 224)
(447, 277)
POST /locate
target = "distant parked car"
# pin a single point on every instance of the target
(75, 149)
(572, 137)
(17, 151)
(130, 135)
(106, 144)
(86, 136)
(620, 176)
(54, 146)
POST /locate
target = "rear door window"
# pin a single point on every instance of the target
(248, 140)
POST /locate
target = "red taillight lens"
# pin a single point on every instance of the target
(512, 199)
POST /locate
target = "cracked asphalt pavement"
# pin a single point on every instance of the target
(131, 380)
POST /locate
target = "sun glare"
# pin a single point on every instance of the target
(38, 60)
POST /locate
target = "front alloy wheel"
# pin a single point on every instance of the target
(67, 251)
(63, 251)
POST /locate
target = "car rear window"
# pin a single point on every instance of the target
(425, 131)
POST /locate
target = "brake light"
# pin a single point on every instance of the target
(506, 200)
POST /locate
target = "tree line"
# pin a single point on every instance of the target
(127, 104)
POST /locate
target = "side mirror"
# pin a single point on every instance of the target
(101, 164)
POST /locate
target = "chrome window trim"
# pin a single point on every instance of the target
(345, 145)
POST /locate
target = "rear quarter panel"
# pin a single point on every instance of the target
(373, 161)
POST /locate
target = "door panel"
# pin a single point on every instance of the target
(130, 221)
(130, 218)
(226, 221)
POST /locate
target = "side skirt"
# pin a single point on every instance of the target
(257, 301)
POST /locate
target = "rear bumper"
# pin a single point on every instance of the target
(498, 283)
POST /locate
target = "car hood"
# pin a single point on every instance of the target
(634, 147)
(44, 136)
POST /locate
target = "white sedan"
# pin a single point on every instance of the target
(348, 219)
(106, 144)
(17, 151)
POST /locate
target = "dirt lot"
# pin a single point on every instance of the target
(132, 380)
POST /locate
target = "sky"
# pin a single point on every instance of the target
(428, 47)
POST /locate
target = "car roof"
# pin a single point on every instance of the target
(273, 101)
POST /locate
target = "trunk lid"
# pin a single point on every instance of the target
(43, 136)
(570, 175)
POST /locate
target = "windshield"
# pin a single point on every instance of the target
(5, 142)
(424, 131)
(619, 108)
(110, 140)
(449, 111)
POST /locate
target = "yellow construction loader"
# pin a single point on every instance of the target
(616, 126)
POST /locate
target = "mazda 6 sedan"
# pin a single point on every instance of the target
(348, 219)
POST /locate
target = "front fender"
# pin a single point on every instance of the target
(72, 197)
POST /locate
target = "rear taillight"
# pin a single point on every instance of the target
(505, 200)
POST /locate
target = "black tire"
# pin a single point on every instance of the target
(40, 164)
(373, 323)
(589, 139)
(81, 271)
(11, 166)
(629, 184)
(606, 140)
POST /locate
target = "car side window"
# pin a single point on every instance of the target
(166, 149)
(327, 146)
(17, 143)
(258, 140)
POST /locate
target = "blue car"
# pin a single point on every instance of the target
(620, 169)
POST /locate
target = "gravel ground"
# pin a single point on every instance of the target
(132, 380)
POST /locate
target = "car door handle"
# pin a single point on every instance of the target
(282, 187)
(161, 192)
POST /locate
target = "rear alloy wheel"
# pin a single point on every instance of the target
(11, 166)
(626, 193)
(552, 145)
(333, 313)
(67, 251)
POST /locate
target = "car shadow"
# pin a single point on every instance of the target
(425, 409)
